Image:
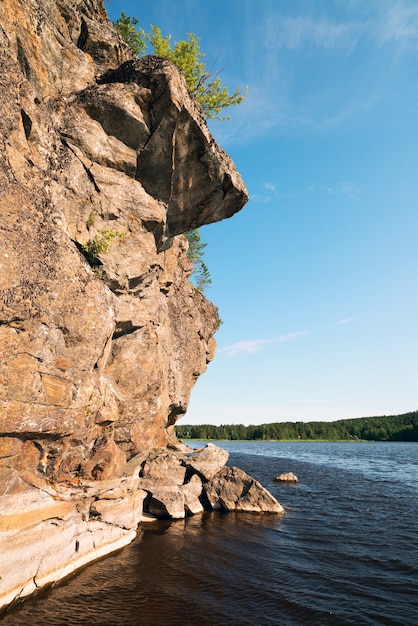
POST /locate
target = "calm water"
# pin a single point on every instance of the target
(345, 553)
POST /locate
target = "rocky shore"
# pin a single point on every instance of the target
(105, 162)
(50, 531)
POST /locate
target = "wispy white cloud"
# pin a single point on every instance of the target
(349, 189)
(399, 23)
(348, 320)
(260, 198)
(255, 345)
(389, 23)
(270, 194)
(270, 186)
(296, 47)
(346, 188)
(292, 33)
(343, 116)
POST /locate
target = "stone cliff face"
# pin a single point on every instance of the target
(100, 350)
(105, 162)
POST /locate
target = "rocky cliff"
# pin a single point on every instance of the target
(105, 162)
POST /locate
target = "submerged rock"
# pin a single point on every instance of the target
(287, 478)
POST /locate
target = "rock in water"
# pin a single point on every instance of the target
(287, 478)
(233, 490)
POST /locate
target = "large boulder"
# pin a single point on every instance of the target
(163, 467)
(234, 490)
(208, 461)
(167, 502)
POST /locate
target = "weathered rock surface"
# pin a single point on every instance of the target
(164, 467)
(105, 161)
(192, 492)
(233, 490)
(208, 461)
(288, 477)
(125, 512)
(46, 536)
(99, 353)
(48, 531)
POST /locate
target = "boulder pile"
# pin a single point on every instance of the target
(178, 484)
(77, 523)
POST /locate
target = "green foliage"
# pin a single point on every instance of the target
(91, 220)
(200, 274)
(188, 57)
(385, 428)
(186, 54)
(126, 26)
(100, 243)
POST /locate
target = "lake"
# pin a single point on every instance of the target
(345, 552)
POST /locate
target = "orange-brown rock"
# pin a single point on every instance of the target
(105, 162)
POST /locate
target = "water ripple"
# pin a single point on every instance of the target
(345, 553)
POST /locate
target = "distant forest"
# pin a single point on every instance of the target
(385, 428)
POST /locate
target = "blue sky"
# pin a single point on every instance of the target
(316, 278)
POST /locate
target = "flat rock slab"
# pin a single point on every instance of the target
(124, 512)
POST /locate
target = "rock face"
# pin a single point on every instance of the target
(105, 162)
(100, 346)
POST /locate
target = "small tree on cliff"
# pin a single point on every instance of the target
(205, 86)
(126, 26)
(200, 273)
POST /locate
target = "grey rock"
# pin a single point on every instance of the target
(167, 502)
(164, 467)
(288, 477)
(208, 461)
(192, 492)
(234, 490)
